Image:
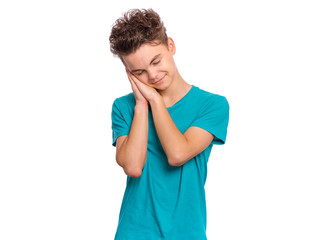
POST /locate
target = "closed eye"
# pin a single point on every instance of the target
(157, 62)
(138, 73)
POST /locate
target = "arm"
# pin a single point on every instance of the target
(178, 147)
(131, 152)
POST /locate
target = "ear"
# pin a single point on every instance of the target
(171, 46)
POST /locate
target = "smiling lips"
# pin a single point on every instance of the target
(160, 80)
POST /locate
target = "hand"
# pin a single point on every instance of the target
(148, 92)
(139, 98)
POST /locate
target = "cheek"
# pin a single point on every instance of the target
(143, 78)
(171, 65)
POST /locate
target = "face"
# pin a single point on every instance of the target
(153, 65)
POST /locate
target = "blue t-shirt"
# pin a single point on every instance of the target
(168, 202)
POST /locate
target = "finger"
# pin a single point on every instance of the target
(134, 86)
(137, 85)
(137, 82)
(130, 78)
(129, 75)
(135, 89)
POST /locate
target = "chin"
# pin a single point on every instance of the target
(160, 88)
(164, 86)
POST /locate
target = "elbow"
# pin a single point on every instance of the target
(132, 167)
(176, 160)
(133, 172)
(130, 170)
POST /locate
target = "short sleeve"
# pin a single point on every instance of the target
(214, 117)
(119, 123)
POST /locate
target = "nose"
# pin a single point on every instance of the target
(152, 74)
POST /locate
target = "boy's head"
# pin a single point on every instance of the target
(135, 28)
(139, 39)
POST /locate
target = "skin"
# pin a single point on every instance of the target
(155, 80)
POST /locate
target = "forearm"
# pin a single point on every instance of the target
(132, 154)
(174, 143)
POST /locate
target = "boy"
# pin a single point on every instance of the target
(163, 132)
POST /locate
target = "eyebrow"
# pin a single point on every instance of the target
(154, 58)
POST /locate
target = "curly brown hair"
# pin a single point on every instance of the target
(134, 28)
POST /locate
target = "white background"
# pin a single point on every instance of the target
(275, 62)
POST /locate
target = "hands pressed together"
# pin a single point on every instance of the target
(179, 148)
(142, 92)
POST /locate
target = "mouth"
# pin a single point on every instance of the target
(159, 81)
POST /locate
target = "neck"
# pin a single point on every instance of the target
(177, 90)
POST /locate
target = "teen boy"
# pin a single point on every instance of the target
(163, 132)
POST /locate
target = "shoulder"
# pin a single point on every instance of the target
(126, 101)
(210, 100)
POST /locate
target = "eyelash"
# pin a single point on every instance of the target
(154, 63)
(138, 74)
